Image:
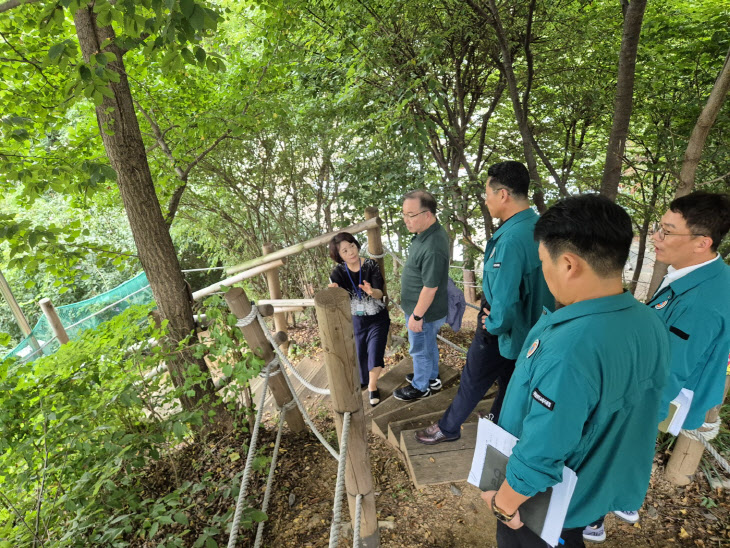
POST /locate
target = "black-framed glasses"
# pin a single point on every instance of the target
(412, 215)
(661, 233)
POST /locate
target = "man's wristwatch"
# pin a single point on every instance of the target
(417, 318)
(500, 514)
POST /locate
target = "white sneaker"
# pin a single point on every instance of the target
(595, 534)
(630, 516)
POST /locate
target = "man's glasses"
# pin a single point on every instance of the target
(412, 215)
(484, 194)
(661, 233)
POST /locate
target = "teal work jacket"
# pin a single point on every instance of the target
(696, 310)
(584, 394)
(513, 283)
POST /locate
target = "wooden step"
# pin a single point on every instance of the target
(422, 421)
(448, 377)
(399, 410)
(441, 463)
(390, 380)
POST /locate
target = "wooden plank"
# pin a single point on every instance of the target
(441, 463)
(396, 410)
(422, 421)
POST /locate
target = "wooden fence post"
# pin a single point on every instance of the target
(687, 452)
(335, 329)
(55, 322)
(470, 280)
(240, 306)
(375, 244)
(272, 280)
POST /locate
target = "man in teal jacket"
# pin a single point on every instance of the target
(514, 296)
(588, 381)
(693, 301)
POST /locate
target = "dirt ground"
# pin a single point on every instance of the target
(442, 516)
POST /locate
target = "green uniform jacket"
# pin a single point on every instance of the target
(584, 394)
(513, 283)
(427, 266)
(696, 309)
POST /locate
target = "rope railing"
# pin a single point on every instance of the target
(340, 485)
(243, 490)
(356, 525)
(712, 429)
(272, 469)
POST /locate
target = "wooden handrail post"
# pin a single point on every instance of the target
(687, 452)
(336, 333)
(55, 322)
(375, 244)
(470, 279)
(241, 307)
(272, 280)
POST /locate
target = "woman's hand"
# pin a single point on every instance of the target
(366, 287)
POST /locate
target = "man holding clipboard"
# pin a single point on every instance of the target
(588, 382)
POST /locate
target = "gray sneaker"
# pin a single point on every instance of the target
(434, 385)
(595, 534)
(629, 516)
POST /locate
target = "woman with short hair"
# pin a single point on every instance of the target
(370, 320)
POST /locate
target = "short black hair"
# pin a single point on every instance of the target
(705, 213)
(512, 175)
(591, 226)
(335, 242)
(424, 197)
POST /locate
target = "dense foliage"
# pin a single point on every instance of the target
(275, 122)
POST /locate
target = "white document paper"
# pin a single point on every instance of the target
(678, 410)
(489, 433)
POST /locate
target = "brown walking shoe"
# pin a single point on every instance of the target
(433, 435)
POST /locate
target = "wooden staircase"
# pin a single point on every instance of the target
(397, 422)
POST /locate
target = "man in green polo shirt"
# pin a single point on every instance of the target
(423, 292)
(589, 380)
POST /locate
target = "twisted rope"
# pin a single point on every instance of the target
(340, 486)
(373, 256)
(302, 409)
(270, 479)
(243, 322)
(356, 526)
(704, 436)
(283, 359)
(249, 462)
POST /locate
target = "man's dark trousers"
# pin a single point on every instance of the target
(484, 365)
(524, 538)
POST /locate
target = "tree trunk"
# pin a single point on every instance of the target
(520, 113)
(124, 147)
(623, 103)
(694, 150)
(702, 128)
(644, 233)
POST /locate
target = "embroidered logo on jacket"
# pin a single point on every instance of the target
(497, 265)
(661, 304)
(543, 400)
(533, 347)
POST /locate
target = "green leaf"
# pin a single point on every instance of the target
(200, 54)
(181, 518)
(84, 72)
(187, 7)
(56, 50)
(197, 19)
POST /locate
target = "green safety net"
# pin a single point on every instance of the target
(78, 317)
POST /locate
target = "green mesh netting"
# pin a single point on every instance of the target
(79, 317)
